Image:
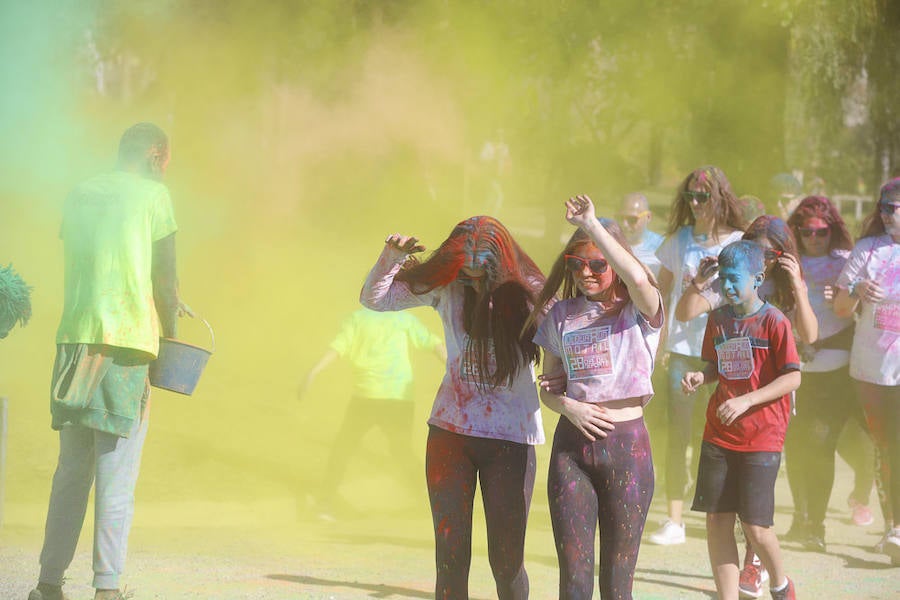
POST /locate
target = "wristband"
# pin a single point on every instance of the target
(697, 286)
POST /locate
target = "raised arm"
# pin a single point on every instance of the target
(380, 292)
(804, 320)
(693, 303)
(580, 212)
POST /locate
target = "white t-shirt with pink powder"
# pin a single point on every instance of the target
(681, 255)
(875, 356)
(607, 356)
(461, 405)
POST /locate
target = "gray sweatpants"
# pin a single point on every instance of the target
(85, 456)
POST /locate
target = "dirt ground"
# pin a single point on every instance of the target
(274, 550)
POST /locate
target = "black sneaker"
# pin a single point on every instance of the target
(45, 591)
(815, 539)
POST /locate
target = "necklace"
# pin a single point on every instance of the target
(700, 237)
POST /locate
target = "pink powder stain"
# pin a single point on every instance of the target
(443, 527)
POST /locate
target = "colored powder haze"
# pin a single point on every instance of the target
(301, 137)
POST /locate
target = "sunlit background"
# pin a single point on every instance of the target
(303, 133)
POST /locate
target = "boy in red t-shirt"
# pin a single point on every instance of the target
(749, 346)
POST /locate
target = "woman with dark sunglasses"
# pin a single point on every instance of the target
(824, 402)
(486, 416)
(705, 217)
(870, 283)
(603, 333)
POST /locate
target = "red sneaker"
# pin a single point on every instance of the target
(787, 593)
(753, 576)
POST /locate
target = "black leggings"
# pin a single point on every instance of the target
(825, 404)
(506, 472)
(610, 482)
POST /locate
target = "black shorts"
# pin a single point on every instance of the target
(737, 482)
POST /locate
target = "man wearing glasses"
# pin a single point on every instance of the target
(634, 216)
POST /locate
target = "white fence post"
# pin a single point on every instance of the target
(3, 411)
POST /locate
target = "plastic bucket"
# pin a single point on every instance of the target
(178, 365)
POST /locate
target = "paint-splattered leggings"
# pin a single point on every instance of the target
(881, 405)
(609, 481)
(506, 473)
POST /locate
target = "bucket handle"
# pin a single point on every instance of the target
(212, 335)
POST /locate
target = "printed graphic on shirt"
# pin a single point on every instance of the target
(735, 358)
(887, 316)
(588, 353)
(469, 370)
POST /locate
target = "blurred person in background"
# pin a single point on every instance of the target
(751, 207)
(118, 233)
(787, 191)
(486, 418)
(634, 218)
(870, 283)
(376, 346)
(705, 217)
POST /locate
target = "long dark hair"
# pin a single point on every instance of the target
(782, 238)
(494, 317)
(820, 207)
(726, 205)
(872, 225)
(560, 277)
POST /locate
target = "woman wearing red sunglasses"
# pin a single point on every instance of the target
(870, 283)
(486, 417)
(824, 402)
(603, 333)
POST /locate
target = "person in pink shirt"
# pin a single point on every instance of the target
(870, 283)
(486, 416)
(603, 333)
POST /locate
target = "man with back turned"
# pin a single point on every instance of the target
(118, 232)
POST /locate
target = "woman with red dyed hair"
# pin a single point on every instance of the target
(870, 282)
(486, 416)
(824, 402)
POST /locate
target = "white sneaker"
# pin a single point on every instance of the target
(669, 534)
(891, 546)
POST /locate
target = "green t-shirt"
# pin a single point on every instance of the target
(109, 225)
(377, 344)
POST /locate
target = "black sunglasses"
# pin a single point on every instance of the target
(576, 264)
(814, 231)
(700, 197)
(886, 208)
